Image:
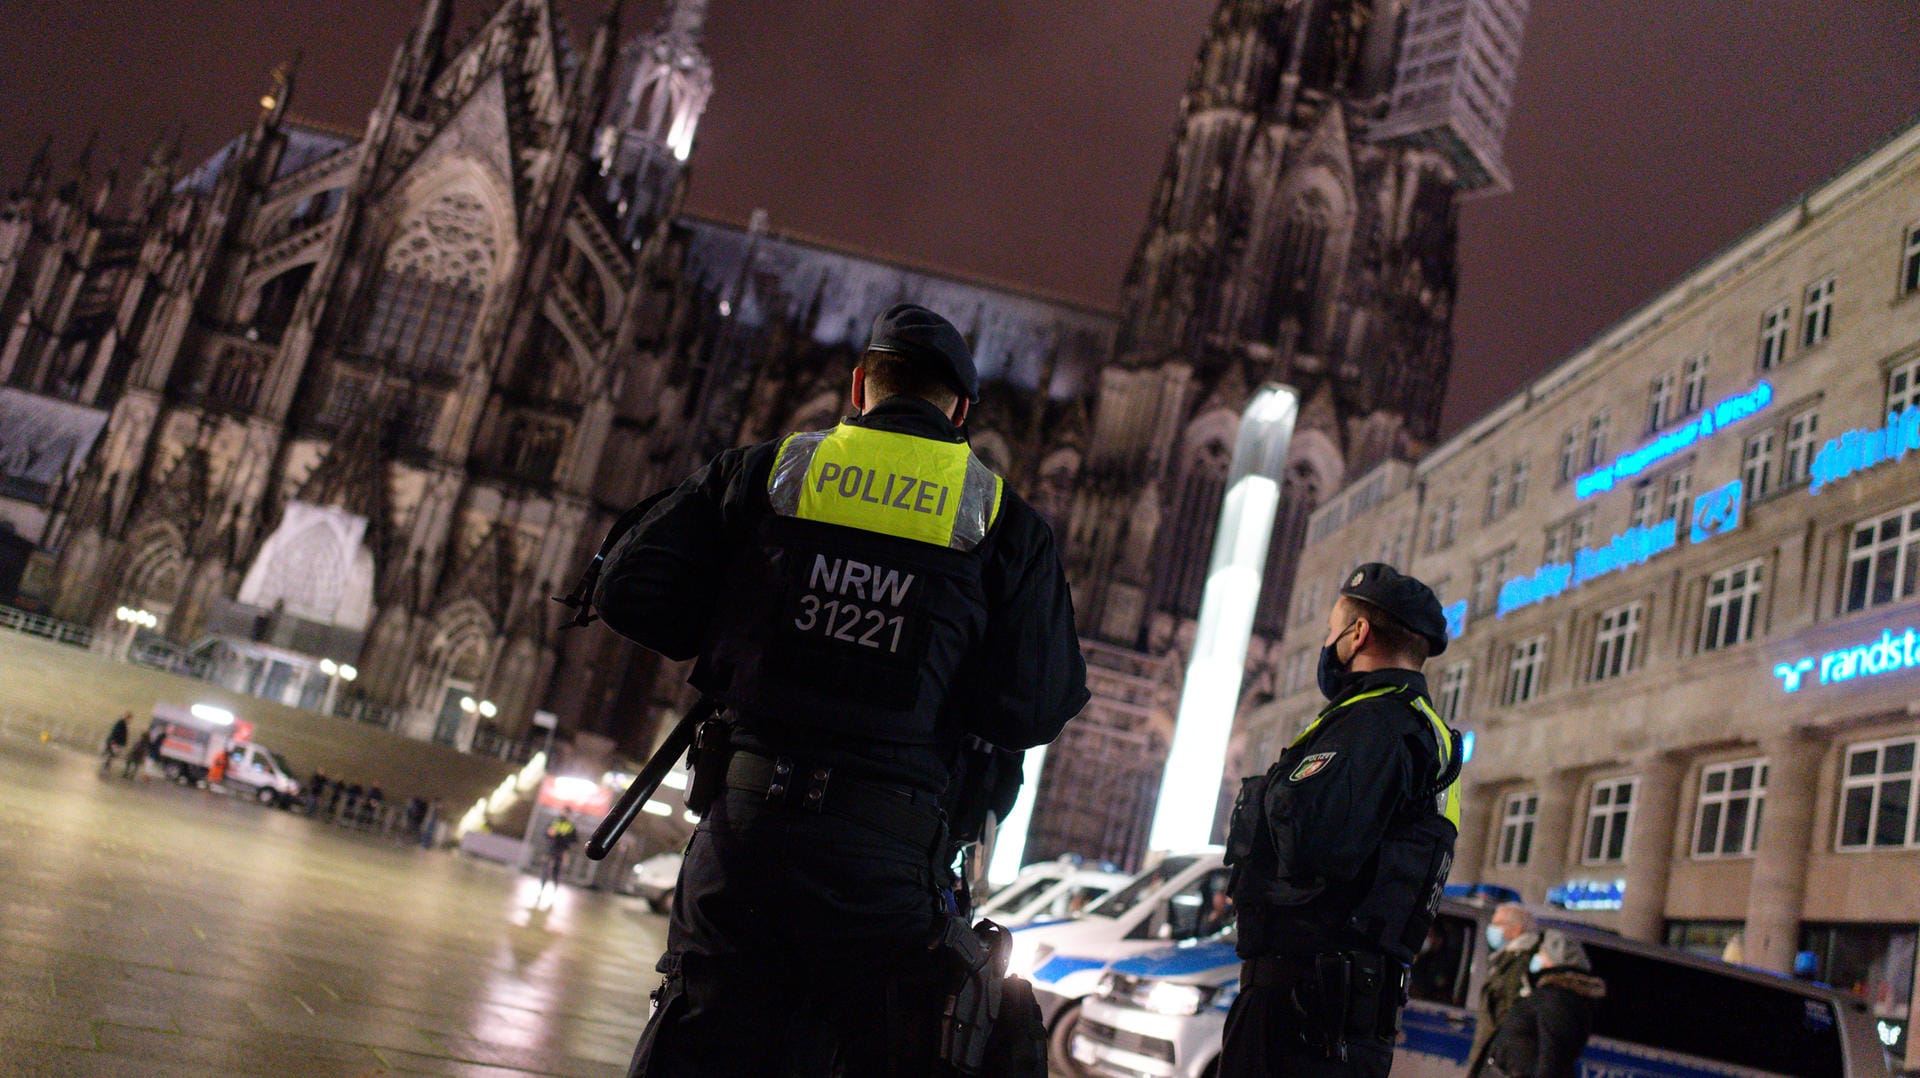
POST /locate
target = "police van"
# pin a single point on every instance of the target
(1050, 891)
(1181, 897)
(1667, 1013)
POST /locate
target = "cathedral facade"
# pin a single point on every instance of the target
(373, 397)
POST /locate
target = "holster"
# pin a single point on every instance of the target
(712, 746)
(979, 958)
(1339, 996)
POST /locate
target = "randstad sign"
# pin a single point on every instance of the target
(1858, 450)
(1678, 440)
(1893, 652)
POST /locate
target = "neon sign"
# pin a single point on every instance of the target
(1632, 547)
(1716, 512)
(1889, 654)
(1456, 615)
(1858, 450)
(1679, 440)
(1588, 895)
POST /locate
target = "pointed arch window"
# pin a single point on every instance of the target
(1301, 253)
(1196, 514)
(431, 285)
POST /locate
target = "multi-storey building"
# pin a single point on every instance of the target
(1683, 572)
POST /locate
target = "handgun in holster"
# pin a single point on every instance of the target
(712, 748)
(979, 955)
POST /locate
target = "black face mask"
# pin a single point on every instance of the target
(1335, 676)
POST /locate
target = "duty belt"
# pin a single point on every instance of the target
(890, 810)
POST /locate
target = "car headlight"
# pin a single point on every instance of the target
(1028, 955)
(1165, 997)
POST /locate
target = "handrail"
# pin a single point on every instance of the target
(32, 624)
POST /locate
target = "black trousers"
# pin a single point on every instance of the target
(1266, 1037)
(799, 945)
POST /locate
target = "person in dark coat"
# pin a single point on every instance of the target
(1545, 1032)
(1514, 937)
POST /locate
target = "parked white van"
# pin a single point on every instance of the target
(1667, 1013)
(1181, 897)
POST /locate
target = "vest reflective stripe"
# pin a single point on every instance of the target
(1440, 733)
(889, 483)
(1445, 736)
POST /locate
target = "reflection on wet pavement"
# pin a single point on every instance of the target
(148, 929)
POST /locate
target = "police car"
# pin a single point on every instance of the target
(1667, 1014)
(1181, 897)
(1050, 891)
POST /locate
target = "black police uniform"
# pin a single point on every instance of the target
(1340, 851)
(859, 601)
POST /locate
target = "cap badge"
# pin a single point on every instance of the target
(1357, 578)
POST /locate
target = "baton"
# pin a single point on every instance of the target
(679, 739)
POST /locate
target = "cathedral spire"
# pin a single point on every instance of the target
(687, 18)
(660, 90)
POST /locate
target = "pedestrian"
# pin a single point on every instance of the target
(217, 770)
(316, 789)
(137, 755)
(1341, 849)
(430, 826)
(1513, 936)
(858, 601)
(116, 740)
(350, 808)
(1547, 1029)
(561, 835)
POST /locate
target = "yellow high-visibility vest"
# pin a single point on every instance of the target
(1450, 807)
(888, 483)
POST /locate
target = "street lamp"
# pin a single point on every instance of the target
(135, 620)
(336, 673)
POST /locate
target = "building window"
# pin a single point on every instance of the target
(1773, 335)
(1733, 599)
(1609, 814)
(1516, 829)
(1526, 671)
(1903, 386)
(1487, 577)
(1556, 544)
(1660, 402)
(1517, 485)
(1645, 497)
(1910, 262)
(1569, 455)
(1496, 493)
(1816, 319)
(1616, 642)
(1727, 823)
(1452, 529)
(1582, 529)
(1876, 798)
(1452, 700)
(1679, 490)
(1693, 385)
(1597, 439)
(1756, 466)
(1884, 564)
(1873, 962)
(1802, 431)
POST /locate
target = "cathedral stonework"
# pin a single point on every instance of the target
(374, 397)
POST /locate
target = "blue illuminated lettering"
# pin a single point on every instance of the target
(1679, 440)
(1546, 582)
(1626, 550)
(1456, 615)
(1891, 653)
(1858, 450)
(1716, 512)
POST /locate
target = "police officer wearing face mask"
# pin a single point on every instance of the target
(1340, 850)
(859, 601)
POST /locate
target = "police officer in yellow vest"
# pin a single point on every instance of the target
(859, 600)
(1340, 850)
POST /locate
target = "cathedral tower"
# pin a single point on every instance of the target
(1303, 232)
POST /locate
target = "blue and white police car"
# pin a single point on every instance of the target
(1051, 891)
(1181, 897)
(1667, 1014)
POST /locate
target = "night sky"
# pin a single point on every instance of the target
(1018, 140)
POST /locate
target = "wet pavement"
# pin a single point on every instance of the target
(147, 929)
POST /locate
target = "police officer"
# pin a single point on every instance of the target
(1341, 848)
(858, 601)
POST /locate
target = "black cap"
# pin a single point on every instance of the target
(910, 330)
(1406, 600)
